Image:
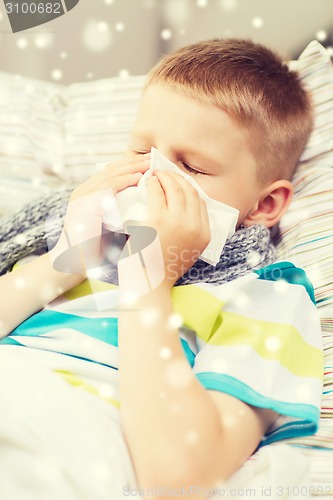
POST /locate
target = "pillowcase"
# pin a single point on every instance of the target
(53, 135)
(315, 69)
(307, 227)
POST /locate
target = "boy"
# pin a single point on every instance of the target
(194, 406)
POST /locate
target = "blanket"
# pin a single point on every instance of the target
(60, 425)
(65, 448)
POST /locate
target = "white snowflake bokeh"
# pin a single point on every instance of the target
(177, 374)
(166, 34)
(120, 27)
(44, 40)
(57, 74)
(165, 353)
(229, 5)
(123, 73)
(177, 13)
(22, 43)
(321, 35)
(304, 393)
(97, 35)
(175, 320)
(273, 343)
(106, 391)
(20, 283)
(257, 22)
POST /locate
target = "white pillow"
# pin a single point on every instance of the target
(314, 66)
(307, 227)
(51, 134)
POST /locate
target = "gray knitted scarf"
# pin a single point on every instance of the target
(25, 232)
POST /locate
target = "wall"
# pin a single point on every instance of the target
(102, 38)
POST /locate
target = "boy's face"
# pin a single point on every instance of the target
(201, 140)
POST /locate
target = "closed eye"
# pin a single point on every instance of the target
(192, 170)
(141, 152)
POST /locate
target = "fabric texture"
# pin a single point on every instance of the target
(38, 225)
(244, 338)
(57, 441)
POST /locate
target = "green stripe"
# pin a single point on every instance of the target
(279, 341)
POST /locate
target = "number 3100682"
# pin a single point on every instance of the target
(33, 8)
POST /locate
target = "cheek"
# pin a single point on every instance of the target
(230, 195)
(218, 190)
(212, 188)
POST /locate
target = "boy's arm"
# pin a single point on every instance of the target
(179, 434)
(29, 288)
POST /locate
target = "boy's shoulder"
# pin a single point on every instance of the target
(287, 272)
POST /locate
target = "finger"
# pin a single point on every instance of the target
(195, 205)
(123, 181)
(204, 217)
(192, 198)
(156, 199)
(124, 166)
(173, 191)
(190, 192)
(118, 184)
(105, 178)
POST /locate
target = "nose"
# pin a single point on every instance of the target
(166, 151)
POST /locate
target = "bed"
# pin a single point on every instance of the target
(51, 137)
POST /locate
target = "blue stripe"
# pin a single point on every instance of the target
(9, 341)
(313, 241)
(46, 321)
(312, 446)
(188, 353)
(288, 272)
(308, 414)
(104, 329)
(82, 358)
(290, 430)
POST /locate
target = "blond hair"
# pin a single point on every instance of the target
(255, 87)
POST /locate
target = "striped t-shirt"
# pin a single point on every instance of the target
(256, 338)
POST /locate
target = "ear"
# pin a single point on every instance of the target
(271, 205)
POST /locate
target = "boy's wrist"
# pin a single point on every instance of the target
(135, 284)
(68, 278)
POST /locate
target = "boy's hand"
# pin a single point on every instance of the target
(180, 218)
(79, 246)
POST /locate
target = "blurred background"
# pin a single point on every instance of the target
(103, 38)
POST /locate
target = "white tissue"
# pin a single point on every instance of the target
(132, 207)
